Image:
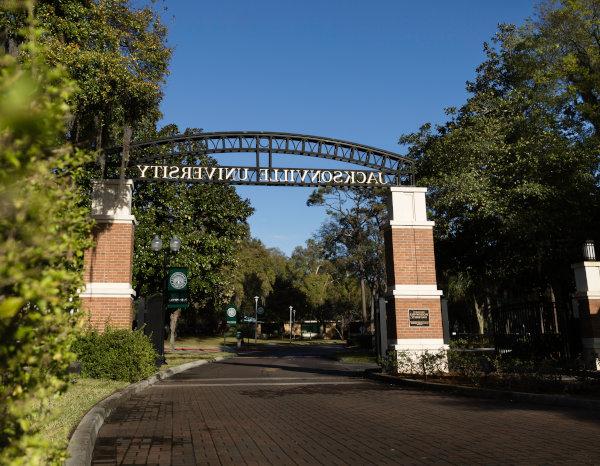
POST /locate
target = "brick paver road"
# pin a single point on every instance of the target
(283, 408)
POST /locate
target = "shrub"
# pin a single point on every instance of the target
(116, 355)
(43, 233)
(389, 362)
(470, 363)
(425, 363)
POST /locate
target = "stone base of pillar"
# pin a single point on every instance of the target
(411, 354)
(109, 312)
(591, 352)
(587, 281)
(415, 333)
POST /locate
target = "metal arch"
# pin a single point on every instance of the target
(264, 142)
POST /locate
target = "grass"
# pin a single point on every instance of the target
(67, 409)
(216, 341)
(200, 342)
(356, 356)
(176, 359)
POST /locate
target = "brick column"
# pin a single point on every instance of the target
(414, 313)
(108, 295)
(587, 281)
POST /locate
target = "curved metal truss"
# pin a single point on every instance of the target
(189, 150)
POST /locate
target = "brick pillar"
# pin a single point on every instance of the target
(108, 295)
(414, 314)
(587, 281)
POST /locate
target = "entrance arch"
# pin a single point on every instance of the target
(413, 310)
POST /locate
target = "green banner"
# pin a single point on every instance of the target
(177, 288)
(231, 314)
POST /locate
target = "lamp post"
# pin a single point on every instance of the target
(255, 317)
(291, 329)
(157, 246)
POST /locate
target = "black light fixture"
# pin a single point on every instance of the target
(589, 250)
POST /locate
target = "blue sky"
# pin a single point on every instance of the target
(363, 71)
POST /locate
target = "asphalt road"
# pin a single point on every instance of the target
(296, 406)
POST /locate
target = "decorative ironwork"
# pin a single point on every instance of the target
(191, 150)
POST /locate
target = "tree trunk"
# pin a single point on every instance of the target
(364, 302)
(174, 317)
(372, 321)
(127, 133)
(479, 315)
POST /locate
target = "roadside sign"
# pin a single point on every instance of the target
(260, 311)
(231, 314)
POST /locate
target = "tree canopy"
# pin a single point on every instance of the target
(513, 174)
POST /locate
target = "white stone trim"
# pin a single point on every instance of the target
(107, 290)
(415, 226)
(408, 189)
(407, 207)
(587, 295)
(115, 219)
(586, 264)
(415, 291)
(417, 344)
(587, 278)
(111, 200)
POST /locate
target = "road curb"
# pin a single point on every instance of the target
(81, 443)
(474, 392)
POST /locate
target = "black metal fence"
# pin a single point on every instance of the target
(537, 328)
(540, 328)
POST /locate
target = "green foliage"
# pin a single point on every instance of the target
(43, 232)
(352, 237)
(210, 220)
(513, 174)
(116, 354)
(116, 54)
(470, 364)
(254, 273)
(425, 363)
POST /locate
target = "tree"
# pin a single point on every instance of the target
(254, 273)
(310, 276)
(116, 54)
(353, 237)
(43, 234)
(511, 174)
(210, 220)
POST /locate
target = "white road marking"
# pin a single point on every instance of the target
(219, 379)
(254, 384)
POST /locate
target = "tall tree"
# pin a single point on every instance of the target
(254, 273)
(512, 174)
(114, 51)
(352, 237)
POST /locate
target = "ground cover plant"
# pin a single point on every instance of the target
(491, 369)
